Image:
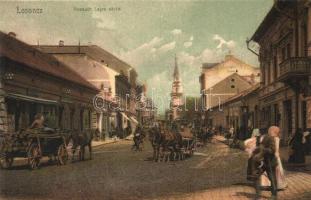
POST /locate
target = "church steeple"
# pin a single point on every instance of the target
(176, 86)
(177, 93)
(176, 71)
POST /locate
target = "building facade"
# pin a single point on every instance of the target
(146, 110)
(115, 79)
(225, 79)
(225, 89)
(240, 112)
(34, 82)
(284, 38)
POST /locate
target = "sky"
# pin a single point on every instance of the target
(146, 34)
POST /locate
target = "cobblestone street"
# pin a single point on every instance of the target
(116, 172)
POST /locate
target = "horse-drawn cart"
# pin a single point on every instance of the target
(188, 141)
(33, 144)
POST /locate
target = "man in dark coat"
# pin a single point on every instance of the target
(264, 160)
(138, 138)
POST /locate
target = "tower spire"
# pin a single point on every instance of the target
(176, 71)
(176, 94)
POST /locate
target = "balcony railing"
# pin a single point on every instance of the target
(295, 67)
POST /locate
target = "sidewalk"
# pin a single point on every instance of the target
(299, 188)
(298, 179)
(283, 153)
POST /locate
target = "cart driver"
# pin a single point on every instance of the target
(39, 123)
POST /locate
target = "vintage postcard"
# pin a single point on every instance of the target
(155, 100)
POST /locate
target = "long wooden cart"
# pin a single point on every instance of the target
(33, 144)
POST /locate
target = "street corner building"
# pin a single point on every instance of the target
(284, 38)
(277, 92)
(34, 82)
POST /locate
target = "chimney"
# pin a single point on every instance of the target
(228, 57)
(61, 43)
(12, 34)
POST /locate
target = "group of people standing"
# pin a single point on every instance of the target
(265, 167)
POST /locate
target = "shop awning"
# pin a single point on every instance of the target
(30, 98)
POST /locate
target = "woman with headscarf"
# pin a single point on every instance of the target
(274, 131)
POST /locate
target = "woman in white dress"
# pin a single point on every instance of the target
(274, 131)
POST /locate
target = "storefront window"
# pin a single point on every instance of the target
(86, 119)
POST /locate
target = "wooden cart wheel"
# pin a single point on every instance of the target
(34, 156)
(6, 161)
(62, 155)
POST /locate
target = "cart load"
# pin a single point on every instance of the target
(188, 141)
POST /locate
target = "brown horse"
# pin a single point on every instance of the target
(81, 139)
(165, 143)
(155, 138)
(172, 145)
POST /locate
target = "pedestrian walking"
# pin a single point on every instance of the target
(274, 131)
(263, 159)
(297, 148)
(264, 181)
(230, 135)
(138, 139)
